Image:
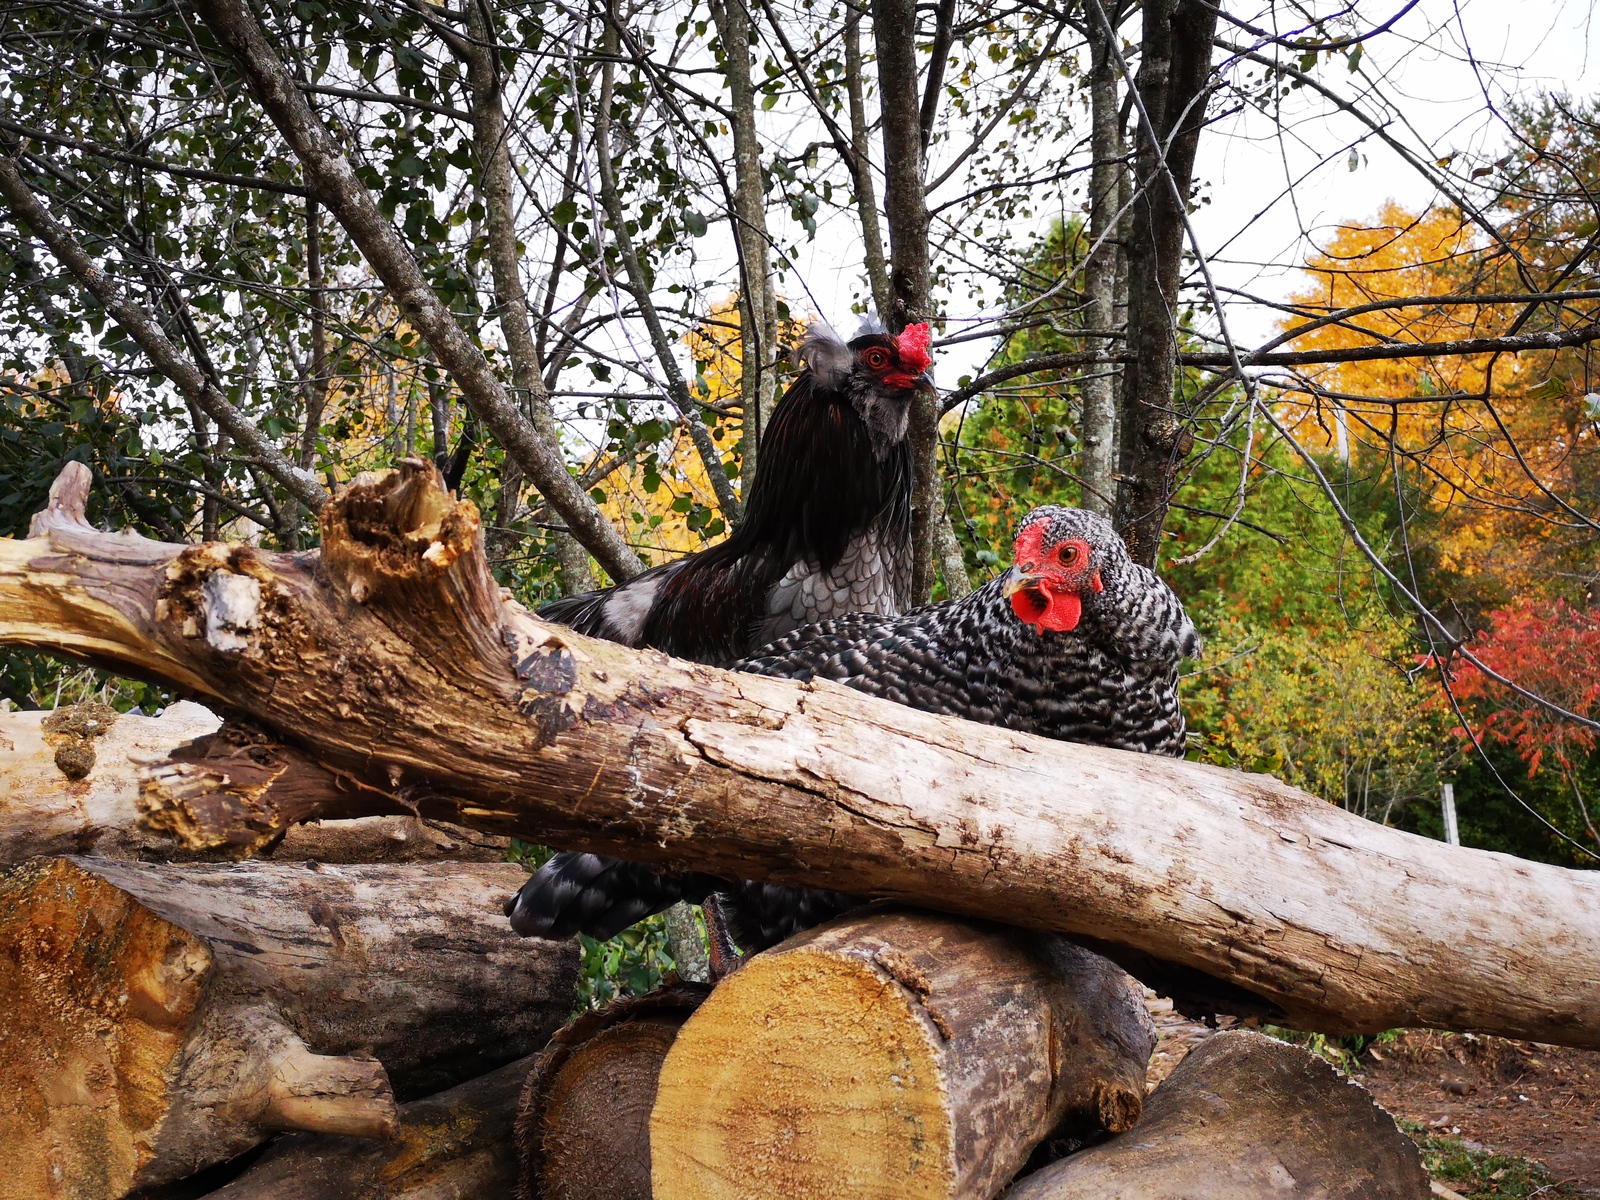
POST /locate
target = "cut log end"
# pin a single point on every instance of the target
(583, 1130)
(895, 1054)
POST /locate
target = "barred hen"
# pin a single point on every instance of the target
(1075, 642)
(827, 523)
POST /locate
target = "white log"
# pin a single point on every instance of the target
(71, 782)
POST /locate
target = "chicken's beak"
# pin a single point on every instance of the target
(1018, 580)
(924, 383)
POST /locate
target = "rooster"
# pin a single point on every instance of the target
(827, 523)
(1075, 642)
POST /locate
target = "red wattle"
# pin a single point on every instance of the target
(1061, 615)
(1058, 612)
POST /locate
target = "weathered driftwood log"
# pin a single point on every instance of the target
(1242, 1118)
(583, 1127)
(896, 1054)
(397, 663)
(163, 1018)
(456, 1145)
(71, 780)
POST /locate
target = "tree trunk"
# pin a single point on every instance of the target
(877, 265)
(70, 784)
(583, 1128)
(456, 1145)
(393, 658)
(758, 310)
(161, 1019)
(1244, 1117)
(1174, 69)
(896, 1054)
(894, 27)
(1097, 466)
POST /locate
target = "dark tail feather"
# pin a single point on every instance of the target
(763, 914)
(584, 613)
(585, 893)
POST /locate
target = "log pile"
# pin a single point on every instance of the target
(342, 989)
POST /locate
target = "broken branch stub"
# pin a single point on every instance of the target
(395, 663)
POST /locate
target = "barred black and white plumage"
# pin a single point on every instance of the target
(827, 523)
(1075, 642)
(1111, 680)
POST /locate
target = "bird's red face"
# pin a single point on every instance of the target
(902, 366)
(1049, 579)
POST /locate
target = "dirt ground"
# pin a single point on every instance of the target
(1517, 1098)
(1540, 1102)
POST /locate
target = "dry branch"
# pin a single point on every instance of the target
(896, 1053)
(396, 663)
(71, 780)
(164, 1018)
(451, 1146)
(1244, 1117)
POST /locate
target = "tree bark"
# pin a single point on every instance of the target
(456, 1145)
(1174, 70)
(1244, 1117)
(394, 660)
(70, 783)
(894, 27)
(583, 1127)
(758, 310)
(896, 1054)
(1096, 467)
(330, 176)
(877, 265)
(164, 1018)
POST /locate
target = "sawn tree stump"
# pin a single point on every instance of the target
(1242, 1118)
(583, 1129)
(900, 1055)
(163, 1018)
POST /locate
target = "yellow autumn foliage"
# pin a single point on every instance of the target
(1457, 424)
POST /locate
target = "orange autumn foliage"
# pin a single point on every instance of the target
(1487, 441)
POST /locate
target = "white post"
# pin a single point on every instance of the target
(1447, 793)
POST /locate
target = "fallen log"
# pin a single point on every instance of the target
(395, 661)
(69, 779)
(896, 1054)
(456, 1145)
(163, 1018)
(583, 1125)
(1243, 1117)
(75, 781)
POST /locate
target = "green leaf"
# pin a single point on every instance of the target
(565, 212)
(694, 223)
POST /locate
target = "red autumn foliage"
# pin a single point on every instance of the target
(1552, 650)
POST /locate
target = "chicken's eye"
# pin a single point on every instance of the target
(876, 359)
(1069, 554)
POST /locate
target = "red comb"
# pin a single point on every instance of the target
(913, 346)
